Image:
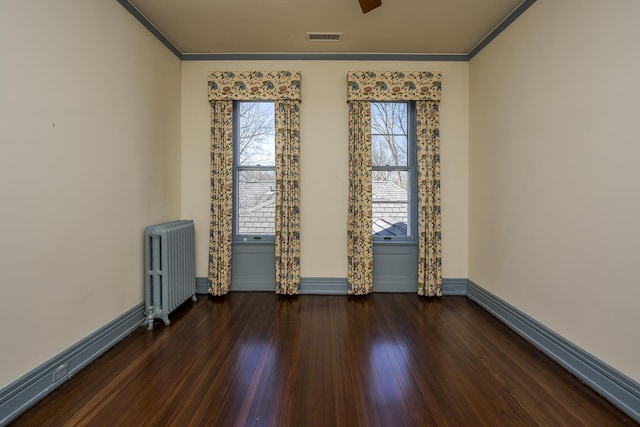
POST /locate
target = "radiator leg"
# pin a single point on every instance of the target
(150, 318)
(165, 319)
(194, 298)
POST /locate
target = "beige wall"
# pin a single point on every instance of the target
(90, 154)
(554, 149)
(324, 158)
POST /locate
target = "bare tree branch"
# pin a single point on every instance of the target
(389, 125)
(256, 127)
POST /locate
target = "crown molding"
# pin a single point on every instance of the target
(323, 57)
(462, 57)
(149, 26)
(500, 28)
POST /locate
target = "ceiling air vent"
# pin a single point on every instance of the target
(324, 37)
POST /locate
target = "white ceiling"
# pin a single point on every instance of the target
(280, 26)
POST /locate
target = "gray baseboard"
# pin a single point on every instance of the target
(308, 286)
(454, 287)
(202, 286)
(617, 388)
(323, 286)
(338, 286)
(23, 393)
(246, 285)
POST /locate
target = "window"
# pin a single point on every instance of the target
(393, 171)
(254, 171)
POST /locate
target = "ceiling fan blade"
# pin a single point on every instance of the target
(369, 5)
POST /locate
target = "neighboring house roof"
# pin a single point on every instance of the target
(257, 208)
(389, 219)
(258, 205)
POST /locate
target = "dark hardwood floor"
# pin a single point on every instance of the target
(380, 360)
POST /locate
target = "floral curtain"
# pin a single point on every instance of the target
(429, 225)
(221, 192)
(287, 237)
(425, 89)
(283, 87)
(359, 238)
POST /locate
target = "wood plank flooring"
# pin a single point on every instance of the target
(257, 359)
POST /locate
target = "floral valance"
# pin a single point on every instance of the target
(254, 85)
(394, 86)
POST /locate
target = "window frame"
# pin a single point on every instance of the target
(237, 169)
(412, 169)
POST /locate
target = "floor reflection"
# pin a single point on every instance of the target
(389, 371)
(257, 387)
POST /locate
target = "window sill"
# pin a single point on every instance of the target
(252, 241)
(395, 242)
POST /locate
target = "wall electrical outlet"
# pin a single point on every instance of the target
(60, 372)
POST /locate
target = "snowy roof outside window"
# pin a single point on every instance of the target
(257, 208)
(389, 219)
(258, 204)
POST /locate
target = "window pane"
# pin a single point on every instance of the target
(390, 219)
(256, 134)
(389, 118)
(390, 185)
(389, 135)
(390, 203)
(256, 202)
(389, 150)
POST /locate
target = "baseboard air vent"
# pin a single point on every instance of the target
(324, 37)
